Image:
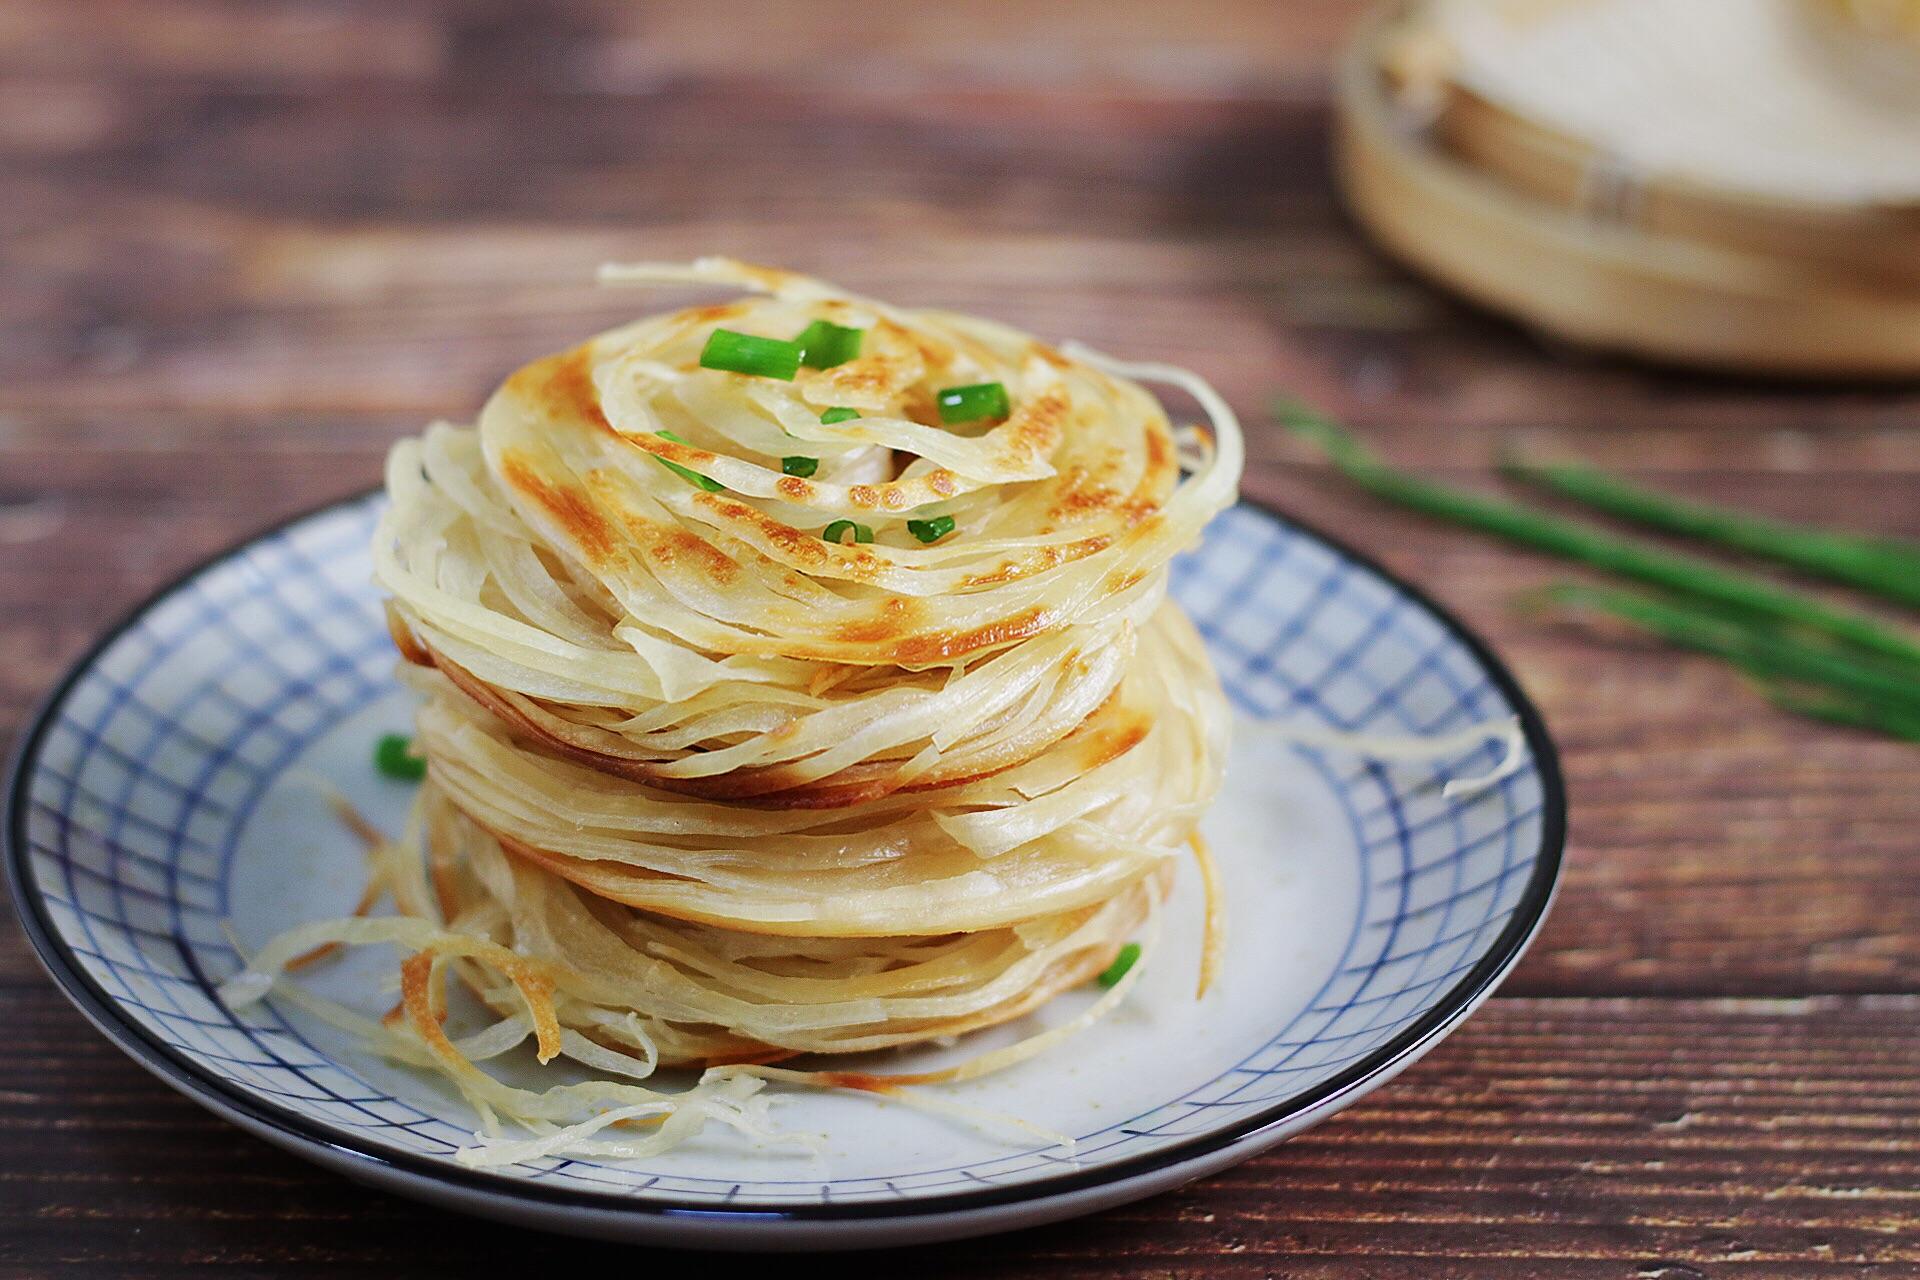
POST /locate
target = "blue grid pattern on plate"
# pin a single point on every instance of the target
(158, 754)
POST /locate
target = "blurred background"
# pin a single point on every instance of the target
(244, 246)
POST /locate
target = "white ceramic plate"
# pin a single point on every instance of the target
(171, 789)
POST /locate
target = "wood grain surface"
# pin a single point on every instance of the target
(243, 246)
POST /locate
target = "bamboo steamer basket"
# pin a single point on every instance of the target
(1530, 219)
(1897, 20)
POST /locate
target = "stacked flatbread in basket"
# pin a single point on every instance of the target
(1733, 183)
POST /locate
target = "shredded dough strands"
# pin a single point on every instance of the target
(705, 789)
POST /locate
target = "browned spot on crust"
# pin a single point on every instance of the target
(863, 495)
(669, 545)
(1037, 425)
(888, 364)
(1082, 493)
(862, 1080)
(679, 544)
(894, 618)
(1002, 572)
(1038, 562)
(1118, 582)
(579, 517)
(801, 545)
(403, 640)
(941, 645)
(942, 482)
(562, 387)
(1159, 448)
(872, 377)
(1156, 478)
(713, 313)
(1110, 742)
(794, 489)
(683, 455)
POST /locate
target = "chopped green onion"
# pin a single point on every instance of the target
(394, 756)
(799, 466)
(931, 530)
(1685, 575)
(1887, 567)
(746, 353)
(982, 400)
(834, 531)
(691, 477)
(1128, 957)
(824, 344)
(832, 416)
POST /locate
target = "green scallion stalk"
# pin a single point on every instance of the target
(1128, 956)
(1542, 530)
(690, 476)
(1760, 650)
(836, 532)
(799, 466)
(981, 401)
(931, 530)
(1855, 713)
(834, 415)
(747, 353)
(394, 756)
(1886, 567)
(824, 344)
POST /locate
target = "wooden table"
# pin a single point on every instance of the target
(245, 246)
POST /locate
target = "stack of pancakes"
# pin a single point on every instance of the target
(738, 791)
